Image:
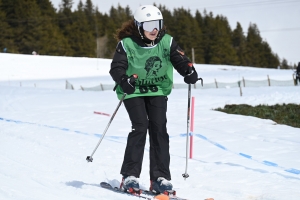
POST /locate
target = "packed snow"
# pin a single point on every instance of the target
(48, 131)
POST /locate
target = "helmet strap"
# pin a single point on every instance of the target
(143, 37)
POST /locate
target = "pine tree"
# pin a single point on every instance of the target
(199, 19)
(81, 40)
(239, 43)
(116, 18)
(89, 11)
(217, 41)
(254, 41)
(6, 36)
(53, 41)
(47, 8)
(24, 18)
(65, 21)
(275, 60)
(208, 36)
(200, 49)
(100, 28)
(222, 48)
(187, 34)
(100, 34)
(259, 52)
(65, 15)
(268, 59)
(284, 64)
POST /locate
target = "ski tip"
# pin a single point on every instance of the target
(209, 199)
(162, 197)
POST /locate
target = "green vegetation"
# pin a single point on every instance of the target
(35, 25)
(288, 114)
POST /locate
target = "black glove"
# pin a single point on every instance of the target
(127, 85)
(191, 77)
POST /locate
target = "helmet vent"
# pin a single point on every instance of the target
(148, 15)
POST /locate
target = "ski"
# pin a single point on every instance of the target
(118, 190)
(171, 194)
(145, 194)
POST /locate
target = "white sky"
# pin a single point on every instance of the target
(47, 132)
(277, 20)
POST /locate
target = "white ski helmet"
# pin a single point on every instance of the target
(147, 13)
(148, 17)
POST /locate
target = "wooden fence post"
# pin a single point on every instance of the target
(240, 86)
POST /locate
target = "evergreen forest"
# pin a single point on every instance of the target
(83, 31)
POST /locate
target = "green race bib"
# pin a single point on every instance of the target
(153, 67)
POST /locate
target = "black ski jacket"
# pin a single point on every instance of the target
(119, 63)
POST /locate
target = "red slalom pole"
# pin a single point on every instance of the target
(192, 127)
(101, 113)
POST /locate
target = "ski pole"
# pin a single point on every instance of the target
(185, 175)
(90, 158)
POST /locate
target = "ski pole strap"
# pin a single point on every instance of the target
(200, 79)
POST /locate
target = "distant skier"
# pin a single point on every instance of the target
(298, 74)
(146, 49)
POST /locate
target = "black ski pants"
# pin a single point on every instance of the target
(147, 113)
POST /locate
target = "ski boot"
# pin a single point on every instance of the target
(130, 184)
(162, 186)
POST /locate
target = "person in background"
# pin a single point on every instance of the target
(145, 49)
(298, 74)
